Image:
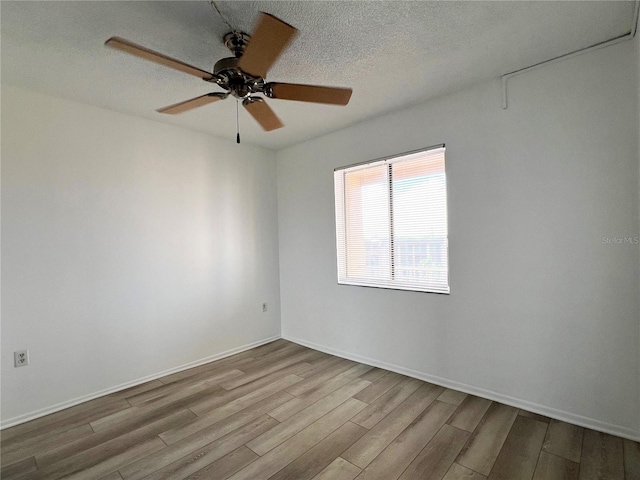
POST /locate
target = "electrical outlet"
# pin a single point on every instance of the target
(264, 307)
(21, 358)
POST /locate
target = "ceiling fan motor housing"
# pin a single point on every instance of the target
(240, 84)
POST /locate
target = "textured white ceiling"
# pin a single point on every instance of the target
(392, 53)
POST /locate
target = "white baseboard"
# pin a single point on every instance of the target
(568, 417)
(10, 422)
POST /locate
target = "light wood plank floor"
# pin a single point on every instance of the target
(282, 411)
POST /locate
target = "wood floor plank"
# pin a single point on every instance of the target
(277, 343)
(269, 348)
(175, 400)
(602, 457)
(433, 462)
(286, 452)
(535, 416)
(306, 417)
(112, 476)
(378, 388)
(289, 351)
(67, 422)
(390, 464)
(551, 467)
(379, 437)
(112, 448)
(374, 374)
(244, 379)
(153, 421)
(357, 371)
(312, 462)
(379, 409)
(312, 395)
(321, 356)
(123, 458)
(519, 455)
(204, 378)
(288, 347)
(631, 459)
(10, 471)
(16, 452)
(279, 347)
(454, 397)
(319, 366)
(485, 443)
(226, 466)
(210, 453)
(183, 388)
(202, 425)
(251, 398)
(312, 391)
(274, 358)
(226, 396)
(224, 364)
(322, 376)
(238, 403)
(469, 413)
(63, 417)
(339, 469)
(136, 389)
(176, 457)
(564, 440)
(458, 472)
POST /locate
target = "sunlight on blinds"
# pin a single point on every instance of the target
(391, 223)
(367, 223)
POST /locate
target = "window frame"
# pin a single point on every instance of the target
(341, 236)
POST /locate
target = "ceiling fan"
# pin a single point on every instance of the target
(243, 75)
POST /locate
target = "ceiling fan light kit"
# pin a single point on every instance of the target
(243, 75)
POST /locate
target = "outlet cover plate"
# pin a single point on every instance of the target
(21, 358)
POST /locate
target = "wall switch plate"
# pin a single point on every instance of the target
(264, 307)
(21, 358)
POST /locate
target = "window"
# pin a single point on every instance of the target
(391, 222)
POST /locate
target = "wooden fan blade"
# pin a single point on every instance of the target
(145, 53)
(308, 93)
(268, 41)
(192, 103)
(263, 114)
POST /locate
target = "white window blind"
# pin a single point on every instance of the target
(391, 222)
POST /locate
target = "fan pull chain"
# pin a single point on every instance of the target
(237, 123)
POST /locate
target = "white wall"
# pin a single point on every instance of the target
(542, 313)
(129, 247)
(637, 49)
